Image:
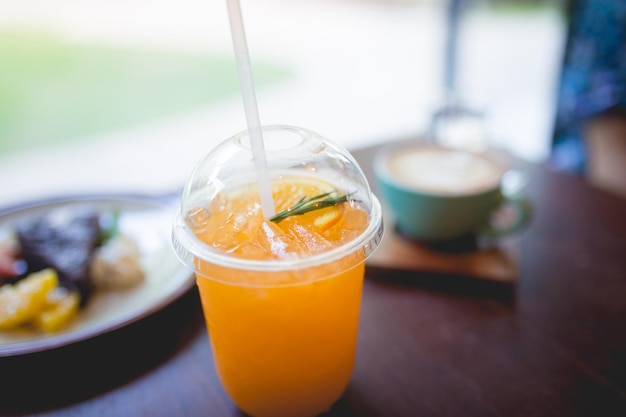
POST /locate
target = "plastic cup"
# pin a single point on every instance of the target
(283, 331)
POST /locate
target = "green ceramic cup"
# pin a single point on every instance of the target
(437, 194)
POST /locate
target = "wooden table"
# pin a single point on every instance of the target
(552, 344)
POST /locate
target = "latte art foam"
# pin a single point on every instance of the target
(443, 171)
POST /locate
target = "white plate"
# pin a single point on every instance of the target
(148, 222)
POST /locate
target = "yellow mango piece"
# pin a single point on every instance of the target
(21, 302)
(61, 307)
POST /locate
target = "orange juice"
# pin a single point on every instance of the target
(283, 338)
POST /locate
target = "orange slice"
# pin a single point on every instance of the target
(328, 217)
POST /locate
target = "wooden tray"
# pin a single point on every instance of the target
(495, 260)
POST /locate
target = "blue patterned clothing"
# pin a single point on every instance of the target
(593, 78)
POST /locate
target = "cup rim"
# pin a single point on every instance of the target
(383, 174)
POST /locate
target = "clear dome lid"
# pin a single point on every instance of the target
(290, 152)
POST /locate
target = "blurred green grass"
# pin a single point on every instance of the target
(53, 91)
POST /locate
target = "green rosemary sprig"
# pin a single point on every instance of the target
(305, 204)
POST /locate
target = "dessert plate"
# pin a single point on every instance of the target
(147, 220)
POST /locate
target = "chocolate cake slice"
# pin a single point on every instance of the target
(63, 239)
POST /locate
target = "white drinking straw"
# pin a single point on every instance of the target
(248, 94)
